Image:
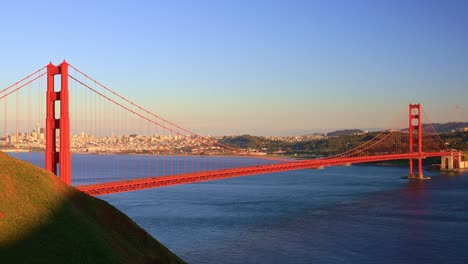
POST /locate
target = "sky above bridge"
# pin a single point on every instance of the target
(254, 67)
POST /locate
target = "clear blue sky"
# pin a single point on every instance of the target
(258, 67)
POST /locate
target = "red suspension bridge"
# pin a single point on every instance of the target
(85, 117)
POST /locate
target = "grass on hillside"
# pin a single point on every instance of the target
(42, 220)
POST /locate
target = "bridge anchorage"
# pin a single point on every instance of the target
(456, 160)
(105, 122)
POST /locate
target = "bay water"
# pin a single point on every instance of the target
(356, 214)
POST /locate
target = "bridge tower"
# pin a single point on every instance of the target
(415, 140)
(58, 124)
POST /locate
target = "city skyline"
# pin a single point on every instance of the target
(261, 67)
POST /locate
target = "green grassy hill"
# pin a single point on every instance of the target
(42, 220)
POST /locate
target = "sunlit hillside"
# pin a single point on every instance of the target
(43, 220)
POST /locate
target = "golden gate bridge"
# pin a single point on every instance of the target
(78, 108)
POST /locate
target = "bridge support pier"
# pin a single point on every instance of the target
(419, 175)
(58, 156)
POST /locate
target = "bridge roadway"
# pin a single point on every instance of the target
(161, 181)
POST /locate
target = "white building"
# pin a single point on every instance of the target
(456, 161)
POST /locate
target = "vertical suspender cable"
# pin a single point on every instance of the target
(17, 124)
(29, 136)
(5, 126)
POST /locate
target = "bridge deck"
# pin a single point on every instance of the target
(154, 182)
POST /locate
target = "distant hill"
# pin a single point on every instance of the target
(345, 132)
(244, 141)
(446, 127)
(443, 127)
(43, 220)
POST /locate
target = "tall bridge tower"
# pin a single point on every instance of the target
(415, 140)
(58, 124)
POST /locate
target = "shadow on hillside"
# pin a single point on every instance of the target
(81, 229)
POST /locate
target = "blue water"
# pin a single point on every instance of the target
(357, 214)
(95, 168)
(338, 215)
